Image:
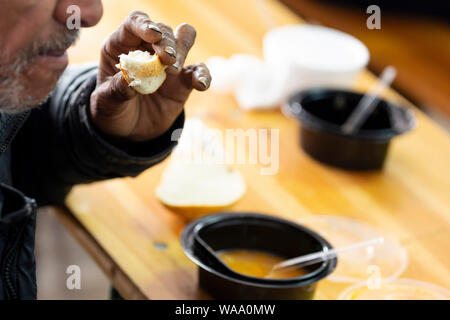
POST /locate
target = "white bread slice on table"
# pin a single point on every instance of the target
(197, 180)
(142, 70)
(194, 190)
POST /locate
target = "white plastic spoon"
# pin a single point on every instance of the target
(312, 258)
(370, 100)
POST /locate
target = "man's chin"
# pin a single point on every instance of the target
(32, 87)
(41, 78)
(17, 107)
(19, 98)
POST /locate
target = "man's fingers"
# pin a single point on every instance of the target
(137, 28)
(201, 78)
(185, 37)
(166, 48)
(139, 24)
(139, 31)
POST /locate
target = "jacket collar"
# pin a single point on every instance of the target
(9, 126)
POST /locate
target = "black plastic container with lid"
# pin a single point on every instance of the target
(322, 112)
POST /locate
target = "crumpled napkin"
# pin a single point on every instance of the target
(255, 83)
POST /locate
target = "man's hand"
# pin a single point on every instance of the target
(117, 109)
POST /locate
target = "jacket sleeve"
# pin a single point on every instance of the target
(58, 145)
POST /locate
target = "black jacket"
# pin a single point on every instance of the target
(43, 153)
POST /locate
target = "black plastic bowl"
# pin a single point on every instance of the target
(323, 111)
(225, 231)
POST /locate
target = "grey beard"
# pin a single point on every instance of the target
(14, 101)
(13, 96)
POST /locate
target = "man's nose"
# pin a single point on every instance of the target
(90, 11)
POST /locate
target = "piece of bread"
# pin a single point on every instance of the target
(197, 180)
(142, 70)
(194, 190)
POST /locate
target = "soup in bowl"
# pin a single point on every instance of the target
(246, 246)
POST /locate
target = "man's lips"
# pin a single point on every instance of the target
(53, 60)
(54, 53)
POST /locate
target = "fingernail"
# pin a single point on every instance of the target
(154, 28)
(203, 81)
(176, 65)
(170, 51)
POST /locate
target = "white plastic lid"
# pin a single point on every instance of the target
(387, 260)
(398, 289)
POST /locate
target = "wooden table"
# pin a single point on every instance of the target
(122, 224)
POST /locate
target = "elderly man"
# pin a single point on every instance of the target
(61, 128)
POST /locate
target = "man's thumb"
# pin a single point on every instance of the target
(119, 91)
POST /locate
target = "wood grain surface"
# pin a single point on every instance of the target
(409, 198)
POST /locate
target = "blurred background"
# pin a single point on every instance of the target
(414, 39)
